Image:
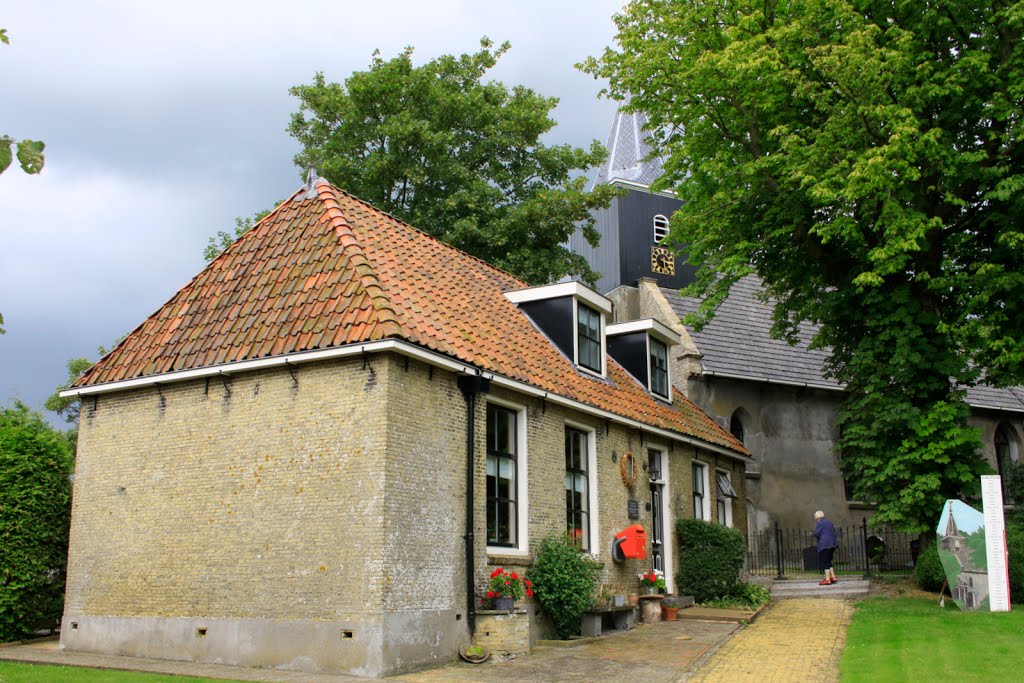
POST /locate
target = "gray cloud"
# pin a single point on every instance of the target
(165, 120)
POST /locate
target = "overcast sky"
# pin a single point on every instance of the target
(163, 121)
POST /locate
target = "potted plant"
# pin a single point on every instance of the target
(670, 608)
(652, 581)
(474, 654)
(506, 587)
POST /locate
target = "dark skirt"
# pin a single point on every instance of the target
(825, 558)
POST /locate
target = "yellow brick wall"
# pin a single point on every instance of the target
(503, 634)
(250, 497)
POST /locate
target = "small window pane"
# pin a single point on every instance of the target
(502, 491)
(659, 368)
(577, 486)
(698, 491)
(589, 338)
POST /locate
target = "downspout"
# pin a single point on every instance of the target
(471, 385)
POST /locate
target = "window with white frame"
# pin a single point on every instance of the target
(660, 228)
(577, 486)
(588, 338)
(701, 503)
(659, 368)
(502, 476)
(724, 496)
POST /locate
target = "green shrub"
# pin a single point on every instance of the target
(928, 572)
(564, 580)
(1015, 550)
(710, 559)
(35, 511)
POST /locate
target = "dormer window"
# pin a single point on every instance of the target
(641, 347)
(660, 228)
(588, 338)
(572, 316)
(659, 368)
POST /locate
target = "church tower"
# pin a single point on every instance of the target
(633, 227)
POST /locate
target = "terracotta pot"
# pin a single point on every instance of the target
(670, 613)
(634, 598)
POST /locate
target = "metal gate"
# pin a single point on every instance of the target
(862, 550)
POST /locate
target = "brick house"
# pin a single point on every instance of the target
(313, 455)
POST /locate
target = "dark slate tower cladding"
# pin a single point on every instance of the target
(633, 226)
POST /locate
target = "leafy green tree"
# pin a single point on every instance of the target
(68, 407)
(456, 157)
(866, 160)
(35, 513)
(28, 152)
(224, 239)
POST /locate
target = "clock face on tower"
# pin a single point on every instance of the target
(663, 261)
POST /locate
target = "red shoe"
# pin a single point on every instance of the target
(826, 582)
(833, 581)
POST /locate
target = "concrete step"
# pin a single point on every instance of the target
(845, 588)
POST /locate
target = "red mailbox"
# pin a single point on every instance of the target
(631, 543)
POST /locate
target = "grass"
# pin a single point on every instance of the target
(11, 672)
(911, 638)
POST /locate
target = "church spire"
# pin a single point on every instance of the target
(628, 149)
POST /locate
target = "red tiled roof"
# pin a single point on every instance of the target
(331, 270)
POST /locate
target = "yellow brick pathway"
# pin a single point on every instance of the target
(798, 639)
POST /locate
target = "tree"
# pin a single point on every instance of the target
(69, 407)
(35, 513)
(866, 160)
(223, 239)
(456, 157)
(29, 152)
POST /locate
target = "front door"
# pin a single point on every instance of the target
(657, 479)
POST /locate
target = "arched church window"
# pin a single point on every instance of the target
(736, 426)
(660, 228)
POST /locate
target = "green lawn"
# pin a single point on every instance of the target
(913, 639)
(11, 672)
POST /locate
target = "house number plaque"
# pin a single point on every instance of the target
(633, 509)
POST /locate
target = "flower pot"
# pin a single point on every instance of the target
(648, 590)
(670, 613)
(474, 655)
(504, 603)
(618, 600)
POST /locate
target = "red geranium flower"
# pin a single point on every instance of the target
(491, 594)
(515, 577)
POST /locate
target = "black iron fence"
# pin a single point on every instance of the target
(862, 550)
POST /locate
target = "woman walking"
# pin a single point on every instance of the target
(825, 534)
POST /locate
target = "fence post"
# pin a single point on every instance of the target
(864, 540)
(778, 551)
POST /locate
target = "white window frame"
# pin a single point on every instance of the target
(728, 521)
(603, 371)
(705, 479)
(651, 340)
(592, 517)
(522, 547)
(661, 227)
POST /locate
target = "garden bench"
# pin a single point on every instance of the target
(618, 618)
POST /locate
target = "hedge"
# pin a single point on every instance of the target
(711, 557)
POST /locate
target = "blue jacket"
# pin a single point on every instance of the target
(825, 533)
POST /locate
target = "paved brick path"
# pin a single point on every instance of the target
(798, 639)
